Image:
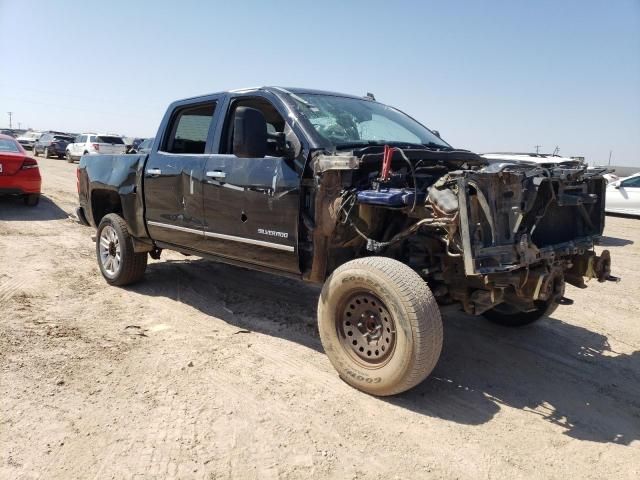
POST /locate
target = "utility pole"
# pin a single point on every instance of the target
(10, 126)
(610, 152)
(537, 147)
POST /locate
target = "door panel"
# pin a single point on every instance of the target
(173, 196)
(173, 176)
(251, 210)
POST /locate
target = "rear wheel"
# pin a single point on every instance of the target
(46, 152)
(32, 199)
(35, 152)
(119, 263)
(69, 157)
(380, 325)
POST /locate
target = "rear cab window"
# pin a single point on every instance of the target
(189, 129)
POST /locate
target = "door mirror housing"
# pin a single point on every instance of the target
(249, 133)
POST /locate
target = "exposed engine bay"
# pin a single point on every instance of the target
(482, 234)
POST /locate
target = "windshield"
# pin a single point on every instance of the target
(349, 122)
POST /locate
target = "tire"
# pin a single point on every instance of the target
(397, 340)
(113, 241)
(32, 199)
(46, 152)
(35, 152)
(60, 157)
(69, 157)
(509, 317)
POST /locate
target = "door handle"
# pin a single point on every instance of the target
(154, 171)
(216, 174)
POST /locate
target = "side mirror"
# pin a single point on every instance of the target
(436, 133)
(249, 133)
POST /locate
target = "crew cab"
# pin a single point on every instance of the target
(346, 191)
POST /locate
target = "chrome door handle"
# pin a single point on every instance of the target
(216, 174)
(154, 171)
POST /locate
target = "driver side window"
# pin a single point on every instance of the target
(631, 183)
(275, 125)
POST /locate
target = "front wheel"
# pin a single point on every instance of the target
(119, 263)
(46, 152)
(380, 325)
(35, 152)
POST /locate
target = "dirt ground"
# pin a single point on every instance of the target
(209, 371)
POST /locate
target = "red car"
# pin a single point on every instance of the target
(19, 173)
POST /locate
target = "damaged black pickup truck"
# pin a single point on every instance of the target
(346, 191)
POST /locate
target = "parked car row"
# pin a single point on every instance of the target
(73, 146)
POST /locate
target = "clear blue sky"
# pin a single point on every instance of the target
(490, 75)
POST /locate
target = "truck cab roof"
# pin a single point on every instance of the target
(277, 89)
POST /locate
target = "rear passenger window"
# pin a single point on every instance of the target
(189, 129)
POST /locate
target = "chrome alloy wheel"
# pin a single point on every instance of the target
(110, 252)
(366, 329)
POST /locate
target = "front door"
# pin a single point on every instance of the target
(251, 205)
(625, 196)
(173, 177)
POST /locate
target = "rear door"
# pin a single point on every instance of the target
(42, 142)
(624, 197)
(77, 148)
(174, 173)
(251, 205)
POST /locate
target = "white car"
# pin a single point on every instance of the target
(28, 139)
(95, 144)
(623, 196)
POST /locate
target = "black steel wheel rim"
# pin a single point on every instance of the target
(366, 329)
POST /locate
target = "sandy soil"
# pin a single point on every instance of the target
(208, 371)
